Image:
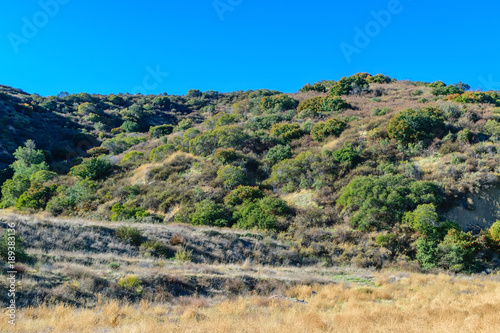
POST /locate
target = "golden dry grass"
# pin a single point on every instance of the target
(416, 303)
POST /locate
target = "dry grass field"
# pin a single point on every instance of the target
(397, 302)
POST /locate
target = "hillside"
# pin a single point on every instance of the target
(366, 171)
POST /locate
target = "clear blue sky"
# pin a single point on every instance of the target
(106, 46)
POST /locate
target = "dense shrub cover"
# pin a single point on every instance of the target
(161, 130)
(331, 127)
(278, 103)
(324, 104)
(350, 85)
(381, 202)
(286, 132)
(412, 126)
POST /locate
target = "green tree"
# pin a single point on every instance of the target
(286, 132)
(29, 160)
(243, 193)
(350, 85)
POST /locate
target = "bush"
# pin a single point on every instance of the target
(350, 85)
(162, 102)
(184, 124)
(220, 137)
(380, 111)
(157, 249)
(261, 214)
(159, 131)
(412, 126)
(132, 156)
(159, 153)
(130, 126)
(232, 176)
(86, 108)
(331, 127)
(130, 235)
(242, 194)
(131, 282)
(226, 156)
(13, 189)
(318, 87)
(98, 151)
(263, 122)
(379, 78)
(476, 97)
(492, 128)
(286, 132)
(458, 251)
(36, 197)
(125, 213)
(324, 104)
(378, 203)
(347, 155)
(278, 103)
(208, 212)
(307, 170)
(93, 169)
(278, 153)
(43, 176)
(494, 234)
(122, 142)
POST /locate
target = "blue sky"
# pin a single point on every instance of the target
(227, 45)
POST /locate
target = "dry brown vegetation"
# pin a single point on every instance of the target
(397, 302)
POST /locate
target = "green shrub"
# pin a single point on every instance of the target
(130, 126)
(331, 127)
(318, 87)
(86, 108)
(162, 102)
(131, 282)
(159, 153)
(159, 131)
(278, 153)
(380, 202)
(261, 214)
(93, 169)
(114, 265)
(412, 126)
(458, 251)
(324, 104)
(132, 156)
(494, 234)
(125, 213)
(226, 156)
(98, 151)
(242, 194)
(183, 125)
(122, 142)
(307, 170)
(380, 111)
(379, 78)
(36, 197)
(278, 103)
(13, 189)
(183, 256)
(226, 119)
(492, 128)
(220, 137)
(348, 85)
(43, 176)
(347, 155)
(208, 212)
(263, 122)
(130, 235)
(232, 176)
(417, 93)
(286, 132)
(476, 97)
